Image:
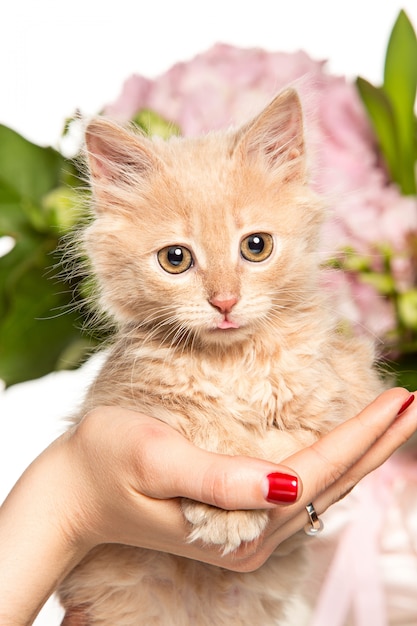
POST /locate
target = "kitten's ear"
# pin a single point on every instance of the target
(276, 136)
(115, 154)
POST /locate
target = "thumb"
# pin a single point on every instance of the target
(236, 482)
(180, 469)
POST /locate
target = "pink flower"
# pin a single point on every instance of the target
(223, 86)
(135, 90)
(227, 85)
(359, 304)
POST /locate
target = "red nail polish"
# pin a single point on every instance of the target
(406, 404)
(282, 488)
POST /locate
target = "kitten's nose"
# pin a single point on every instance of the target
(224, 304)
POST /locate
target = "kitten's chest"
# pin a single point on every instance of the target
(249, 389)
(233, 406)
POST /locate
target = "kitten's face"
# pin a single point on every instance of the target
(211, 238)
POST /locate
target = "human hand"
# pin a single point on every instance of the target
(119, 475)
(153, 465)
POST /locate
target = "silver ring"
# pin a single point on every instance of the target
(315, 525)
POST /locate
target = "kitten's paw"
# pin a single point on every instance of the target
(224, 528)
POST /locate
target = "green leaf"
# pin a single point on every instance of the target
(64, 208)
(35, 322)
(27, 173)
(28, 169)
(383, 283)
(400, 86)
(39, 326)
(154, 124)
(382, 119)
(407, 308)
(405, 369)
(12, 217)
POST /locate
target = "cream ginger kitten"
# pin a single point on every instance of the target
(205, 252)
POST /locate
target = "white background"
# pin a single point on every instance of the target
(57, 56)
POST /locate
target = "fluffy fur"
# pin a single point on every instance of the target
(242, 355)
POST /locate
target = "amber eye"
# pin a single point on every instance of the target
(257, 247)
(175, 259)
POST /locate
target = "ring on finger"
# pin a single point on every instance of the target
(314, 525)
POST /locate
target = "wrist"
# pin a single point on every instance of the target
(41, 535)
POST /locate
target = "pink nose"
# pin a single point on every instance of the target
(224, 305)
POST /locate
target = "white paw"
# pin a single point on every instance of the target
(224, 528)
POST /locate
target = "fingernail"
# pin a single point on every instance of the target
(406, 404)
(282, 488)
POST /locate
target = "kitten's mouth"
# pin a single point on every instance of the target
(227, 324)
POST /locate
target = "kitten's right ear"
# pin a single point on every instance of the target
(115, 154)
(276, 136)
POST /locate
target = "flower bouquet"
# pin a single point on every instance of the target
(363, 155)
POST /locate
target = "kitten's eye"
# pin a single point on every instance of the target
(175, 259)
(257, 247)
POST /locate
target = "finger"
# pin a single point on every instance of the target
(347, 454)
(170, 466)
(331, 457)
(403, 427)
(229, 482)
(246, 483)
(382, 430)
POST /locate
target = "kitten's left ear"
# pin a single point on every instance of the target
(277, 136)
(115, 154)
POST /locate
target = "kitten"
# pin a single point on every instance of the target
(205, 252)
